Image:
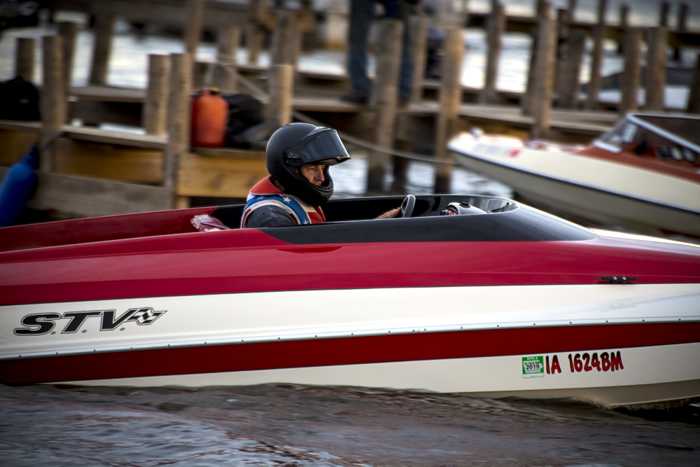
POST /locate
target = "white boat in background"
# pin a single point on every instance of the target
(644, 174)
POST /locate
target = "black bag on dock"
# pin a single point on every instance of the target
(244, 114)
(20, 100)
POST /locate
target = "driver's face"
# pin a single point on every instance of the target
(314, 173)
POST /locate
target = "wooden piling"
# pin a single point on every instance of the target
(253, 32)
(225, 73)
(450, 102)
(494, 38)
(631, 75)
(53, 98)
(624, 24)
(285, 39)
(419, 30)
(569, 79)
(193, 26)
(24, 57)
(681, 26)
(683, 12)
(656, 68)
(201, 75)
(563, 33)
(526, 100)
(178, 120)
(385, 99)
(693, 106)
(68, 32)
(597, 57)
(664, 11)
(102, 49)
(544, 73)
(156, 105)
(281, 92)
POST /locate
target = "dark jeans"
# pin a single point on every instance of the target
(361, 16)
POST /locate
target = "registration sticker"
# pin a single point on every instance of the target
(533, 366)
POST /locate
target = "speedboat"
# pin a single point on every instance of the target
(464, 294)
(643, 175)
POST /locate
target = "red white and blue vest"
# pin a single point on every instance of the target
(266, 193)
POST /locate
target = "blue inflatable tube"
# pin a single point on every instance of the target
(18, 186)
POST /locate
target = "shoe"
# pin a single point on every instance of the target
(355, 97)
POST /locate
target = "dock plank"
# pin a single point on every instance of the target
(84, 196)
(122, 138)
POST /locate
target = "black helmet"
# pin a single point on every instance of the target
(297, 144)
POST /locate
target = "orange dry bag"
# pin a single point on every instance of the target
(209, 118)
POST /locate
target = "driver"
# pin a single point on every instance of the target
(299, 184)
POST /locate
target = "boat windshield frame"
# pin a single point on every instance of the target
(637, 121)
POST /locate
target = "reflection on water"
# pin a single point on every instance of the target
(304, 425)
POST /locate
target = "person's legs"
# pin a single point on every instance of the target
(401, 10)
(406, 71)
(361, 14)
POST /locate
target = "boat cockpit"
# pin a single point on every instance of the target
(671, 138)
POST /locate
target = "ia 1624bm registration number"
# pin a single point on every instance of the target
(580, 362)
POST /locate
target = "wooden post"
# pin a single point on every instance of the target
(571, 8)
(496, 25)
(624, 24)
(631, 75)
(569, 80)
(683, 12)
(544, 73)
(597, 57)
(285, 39)
(68, 32)
(693, 106)
(225, 73)
(563, 38)
(526, 100)
(254, 42)
(193, 26)
(450, 102)
(386, 100)
(156, 106)
(102, 49)
(656, 68)
(279, 105)
(24, 57)
(419, 29)
(201, 75)
(681, 26)
(664, 10)
(53, 98)
(178, 120)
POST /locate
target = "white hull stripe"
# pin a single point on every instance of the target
(299, 315)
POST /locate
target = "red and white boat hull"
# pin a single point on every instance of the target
(587, 341)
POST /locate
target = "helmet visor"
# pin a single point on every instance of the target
(322, 146)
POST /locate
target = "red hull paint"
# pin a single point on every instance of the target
(343, 351)
(249, 260)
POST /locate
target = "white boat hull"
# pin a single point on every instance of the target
(588, 188)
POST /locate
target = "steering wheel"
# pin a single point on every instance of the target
(407, 205)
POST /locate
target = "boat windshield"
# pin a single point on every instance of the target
(670, 138)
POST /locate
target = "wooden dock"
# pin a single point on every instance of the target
(87, 170)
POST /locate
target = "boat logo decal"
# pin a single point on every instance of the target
(586, 362)
(36, 324)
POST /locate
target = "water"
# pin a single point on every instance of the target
(324, 426)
